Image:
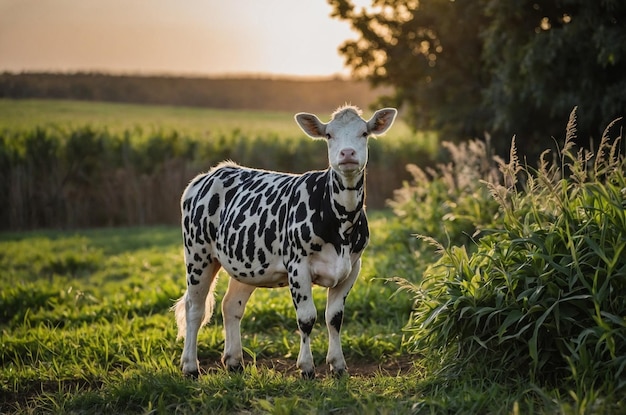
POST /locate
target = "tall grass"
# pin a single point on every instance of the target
(540, 296)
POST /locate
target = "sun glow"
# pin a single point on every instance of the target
(166, 36)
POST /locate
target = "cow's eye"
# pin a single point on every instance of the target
(364, 134)
(328, 136)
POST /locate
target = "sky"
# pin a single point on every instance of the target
(179, 37)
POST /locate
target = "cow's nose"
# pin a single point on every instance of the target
(348, 153)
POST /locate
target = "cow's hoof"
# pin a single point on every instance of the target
(308, 375)
(192, 375)
(238, 368)
(339, 373)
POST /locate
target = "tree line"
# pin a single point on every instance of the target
(282, 94)
(505, 67)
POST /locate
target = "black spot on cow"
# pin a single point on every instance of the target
(261, 256)
(301, 212)
(198, 215)
(250, 246)
(228, 196)
(270, 236)
(306, 232)
(306, 327)
(214, 203)
(337, 320)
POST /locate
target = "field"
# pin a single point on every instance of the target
(510, 302)
(118, 118)
(86, 327)
(128, 164)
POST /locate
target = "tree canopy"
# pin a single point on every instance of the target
(507, 67)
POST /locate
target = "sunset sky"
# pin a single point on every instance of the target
(190, 37)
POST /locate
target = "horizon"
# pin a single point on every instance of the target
(199, 38)
(217, 76)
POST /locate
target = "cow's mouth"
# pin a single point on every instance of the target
(349, 166)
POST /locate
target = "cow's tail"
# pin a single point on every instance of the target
(180, 309)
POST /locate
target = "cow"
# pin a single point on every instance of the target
(271, 229)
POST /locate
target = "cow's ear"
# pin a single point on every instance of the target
(381, 121)
(311, 125)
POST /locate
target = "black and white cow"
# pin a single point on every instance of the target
(269, 229)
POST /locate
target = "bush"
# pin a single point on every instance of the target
(542, 295)
(450, 202)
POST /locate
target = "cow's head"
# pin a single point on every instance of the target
(346, 135)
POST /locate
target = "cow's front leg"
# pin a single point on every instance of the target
(233, 307)
(302, 296)
(334, 319)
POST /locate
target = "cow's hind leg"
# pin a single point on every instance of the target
(233, 306)
(195, 309)
(334, 319)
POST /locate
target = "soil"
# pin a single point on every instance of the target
(391, 366)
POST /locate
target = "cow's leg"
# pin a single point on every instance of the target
(302, 296)
(195, 309)
(334, 318)
(233, 306)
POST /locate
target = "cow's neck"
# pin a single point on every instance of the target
(348, 194)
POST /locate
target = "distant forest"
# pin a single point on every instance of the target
(268, 94)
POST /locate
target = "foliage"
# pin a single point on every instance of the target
(508, 67)
(547, 57)
(450, 202)
(541, 296)
(424, 50)
(67, 175)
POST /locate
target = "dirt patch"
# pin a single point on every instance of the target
(390, 366)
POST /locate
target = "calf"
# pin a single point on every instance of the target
(269, 229)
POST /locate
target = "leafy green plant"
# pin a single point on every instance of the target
(541, 296)
(451, 202)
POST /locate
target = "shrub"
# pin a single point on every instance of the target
(542, 295)
(450, 202)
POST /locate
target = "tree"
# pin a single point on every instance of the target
(508, 67)
(549, 56)
(422, 48)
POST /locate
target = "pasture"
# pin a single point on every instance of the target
(86, 327)
(521, 309)
(127, 164)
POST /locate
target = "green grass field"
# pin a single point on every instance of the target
(86, 327)
(521, 312)
(24, 114)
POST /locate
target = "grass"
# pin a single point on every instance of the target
(86, 327)
(22, 114)
(198, 122)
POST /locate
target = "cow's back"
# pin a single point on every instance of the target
(238, 216)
